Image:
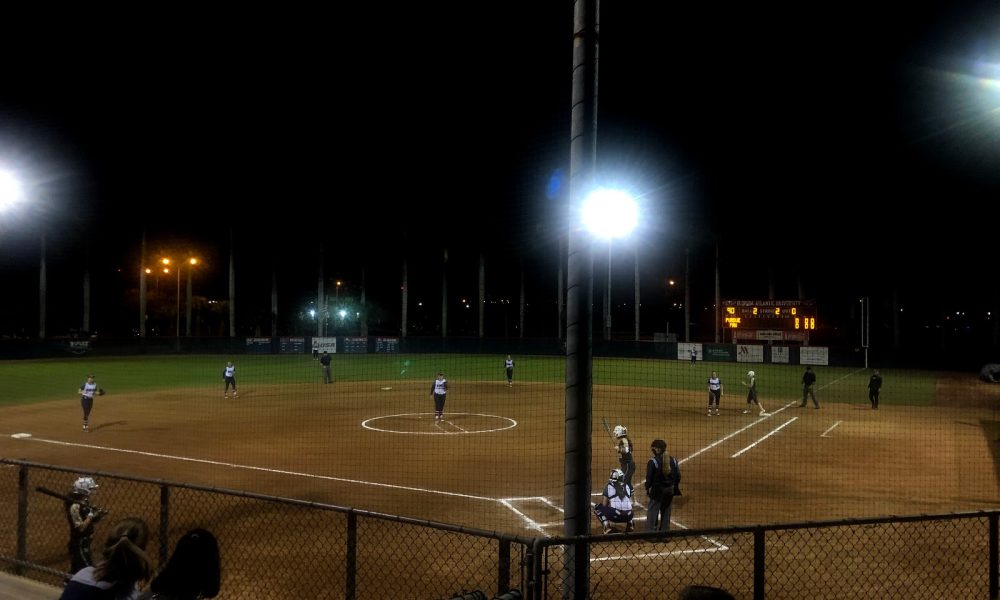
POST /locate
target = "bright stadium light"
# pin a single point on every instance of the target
(610, 214)
(11, 192)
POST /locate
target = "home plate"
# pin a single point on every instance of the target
(20, 435)
(387, 388)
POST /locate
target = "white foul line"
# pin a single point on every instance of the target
(264, 469)
(830, 429)
(776, 430)
(716, 443)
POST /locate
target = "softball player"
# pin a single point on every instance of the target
(617, 504)
(508, 366)
(714, 392)
(439, 389)
(626, 461)
(87, 390)
(751, 383)
(229, 376)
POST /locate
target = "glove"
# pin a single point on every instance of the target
(100, 392)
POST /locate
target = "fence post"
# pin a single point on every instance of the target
(351, 576)
(503, 567)
(164, 523)
(22, 519)
(758, 563)
(994, 557)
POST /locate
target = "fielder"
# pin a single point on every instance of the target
(229, 376)
(439, 389)
(87, 390)
(751, 383)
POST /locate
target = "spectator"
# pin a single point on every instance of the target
(123, 568)
(192, 572)
(705, 592)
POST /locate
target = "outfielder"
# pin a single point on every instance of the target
(508, 366)
(617, 504)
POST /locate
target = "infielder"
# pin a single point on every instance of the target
(229, 376)
(714, 392)
(439, 389)
(508, 366)
(87, 390)
(751, 383)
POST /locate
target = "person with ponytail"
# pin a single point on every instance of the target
(663, 478)
(122, 570)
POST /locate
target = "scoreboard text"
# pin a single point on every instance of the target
(770, 314)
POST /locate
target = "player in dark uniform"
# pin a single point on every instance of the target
(508, 366)
(81, 516)
(229, 376)
(439, 389)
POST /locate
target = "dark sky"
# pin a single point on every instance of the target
(845, 144)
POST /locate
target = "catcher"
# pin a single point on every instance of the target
(82, 515)
(87, 390)
(617, 504)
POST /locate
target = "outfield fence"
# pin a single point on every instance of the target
(276, 547)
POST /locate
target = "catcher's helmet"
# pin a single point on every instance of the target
(84, 486)
(621, 431)
(750, 374)
(617, 475)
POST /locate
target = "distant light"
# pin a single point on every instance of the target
(342, 313)
(312, 313)
(10, 191)
(610, 214)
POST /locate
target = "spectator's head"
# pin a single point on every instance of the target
(125, 560)
(193, 570)
(705, 592)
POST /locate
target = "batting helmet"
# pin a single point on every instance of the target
(751, 374)
(621, 431)
(84, 486)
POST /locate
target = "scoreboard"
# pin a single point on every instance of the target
(781, 315)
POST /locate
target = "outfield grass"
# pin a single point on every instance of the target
(38, 380)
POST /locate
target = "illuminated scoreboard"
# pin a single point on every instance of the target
(782, 315)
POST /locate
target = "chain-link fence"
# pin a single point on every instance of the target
(280, 548)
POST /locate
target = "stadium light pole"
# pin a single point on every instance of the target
(610, 214)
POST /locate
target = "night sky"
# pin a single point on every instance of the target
(848, 147)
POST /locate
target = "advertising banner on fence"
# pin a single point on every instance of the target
(780, 354)
(720, 352)
(324, 344)
(814, 355)
(292, 345)
(684, 350)
(387, 344)
(258, 345)
(355, 345)
(749, 353)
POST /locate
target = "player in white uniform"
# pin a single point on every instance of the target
(714, 392)
(508, 366)
(439, 389)
(229, 375)
(87, 391)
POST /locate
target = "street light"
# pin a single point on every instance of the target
(191, 262)
(610, 214)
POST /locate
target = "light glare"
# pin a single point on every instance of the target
(610, 214)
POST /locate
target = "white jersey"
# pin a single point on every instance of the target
(714, 384)
(616, 501)
(230, 371)
(508, 364)
(88, 389)
(440, 387)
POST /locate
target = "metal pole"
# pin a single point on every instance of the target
(579, 304)
(177, 328)
(187, 307)
(607, 298)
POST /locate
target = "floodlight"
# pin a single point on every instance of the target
(610, 213)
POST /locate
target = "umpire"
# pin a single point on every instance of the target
(325, 361)
(808, 383)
